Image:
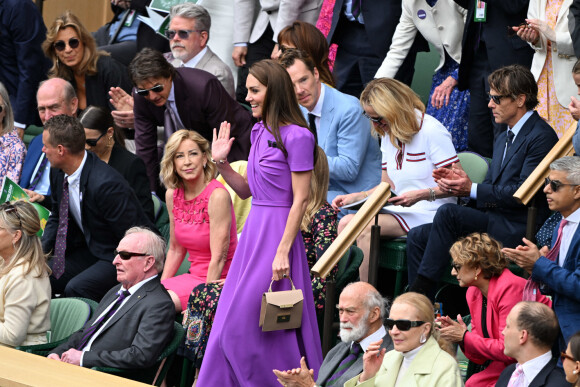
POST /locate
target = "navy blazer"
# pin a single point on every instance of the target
(135, 336)
(507, 218)
(202, 104)
(563, 284)
(549, 376)
(109, 208)
(501, 49)
(32, 156)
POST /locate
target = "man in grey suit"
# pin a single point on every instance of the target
(134, 321)
(361, 310)
(188, 36)
(354, 158)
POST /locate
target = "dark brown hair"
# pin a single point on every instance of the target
(149, 63)
(513, 81)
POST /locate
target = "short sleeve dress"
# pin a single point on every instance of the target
(238, 352)
(192, 232)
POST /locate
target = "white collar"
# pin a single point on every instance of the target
(518, 126)
(533, 367)
(138, 285)
(317, 111)
(373, 337)
(574, 217)
(75, 177)
(195, 60)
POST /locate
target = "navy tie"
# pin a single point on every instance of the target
(60, 244)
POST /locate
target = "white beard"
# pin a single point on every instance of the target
(355, 333)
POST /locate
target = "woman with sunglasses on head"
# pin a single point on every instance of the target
(12, 149)
(24, 284)
(570, 361)
(271, 248)
(413, 144)
(493, 290)
(201, 217)
(418, 359)
(75, 57)
(546, 30)
(105, 140)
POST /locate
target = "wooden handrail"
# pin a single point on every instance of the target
(353, 229)
(535, 181)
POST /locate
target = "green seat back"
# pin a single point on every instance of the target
(161, 217)
(348, 267)
(425, 66)
(185, 265)
(31, 132)
(67, 316)
(474, 165)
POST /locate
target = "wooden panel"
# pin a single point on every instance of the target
(93, 13)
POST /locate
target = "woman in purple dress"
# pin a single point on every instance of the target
(271, 247)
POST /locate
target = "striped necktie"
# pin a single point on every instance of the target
(60, 243)
(346, 363)
(39, 173)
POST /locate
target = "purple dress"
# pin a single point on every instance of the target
(238, 352)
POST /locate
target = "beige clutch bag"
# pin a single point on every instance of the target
(281, 310)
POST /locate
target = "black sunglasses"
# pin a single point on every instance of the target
(403, 325)
(1, 108)
(60, 45)
(92, 142)
(145, 92)
(183, 34)
(556, 184)
(376, 120)
(496, 98)
(125, 255)
(456, 266)
(11, 208)
(564, 356)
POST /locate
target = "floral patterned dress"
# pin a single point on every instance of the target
(12, 153)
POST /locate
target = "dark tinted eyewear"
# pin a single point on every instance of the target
(403, 325)
(376, 120)
(92, 142)
(183, 34)
(11, 208)
(1, 108)
(456, 266)
(60, 45)
(556, 184)
(145, 92)
(125, 255)
(496, 98)
(564, 356)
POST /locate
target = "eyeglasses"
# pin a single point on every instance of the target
(403, 325)
(145, 92)
(125, 255)
(511, 32)
(1, 108)
(564, 356)
(60, 45)
(456, 266)
(11, 208)
(376, 120)
(183, 34)
(92, 142)
(556, 184)
(496, 98)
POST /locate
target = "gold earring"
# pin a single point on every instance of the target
(476, 277)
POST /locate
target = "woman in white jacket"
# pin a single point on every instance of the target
(441, 23)
(548, 34)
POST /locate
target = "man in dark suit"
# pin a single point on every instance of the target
(517, 152)
(530, 331)
(361, 311)
(486, 47)
(558, 270)
(128, 330)
(181, 98)
(364, 36)
(92, 208)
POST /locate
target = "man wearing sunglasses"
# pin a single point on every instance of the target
(530, 332)
(92, 208)
(361, 311)
(557, 269)
(182, 98)
(134, 321)
(188, 36)
(516, 153)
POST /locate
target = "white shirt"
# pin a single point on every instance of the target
(372, 338)
(74, 195)
(44, 183)
(317, 110)
(407, 360)
(132, 290)
(195, 60)
(567, 235)
(516, 129)
(533, 367)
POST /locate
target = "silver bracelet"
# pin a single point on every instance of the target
(431, 195)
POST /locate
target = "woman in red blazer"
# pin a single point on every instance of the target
(479, 264)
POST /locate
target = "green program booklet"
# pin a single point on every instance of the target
(12, 192)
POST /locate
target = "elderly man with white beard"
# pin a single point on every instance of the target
(361, 310)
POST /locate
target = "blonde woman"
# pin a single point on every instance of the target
(413, 144)
(201, 217)
(24, 284)
(75, 57)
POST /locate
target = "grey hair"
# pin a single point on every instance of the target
(193, 11)
(8, 121)
(373, 300)
(153, 243)
(570, 165)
